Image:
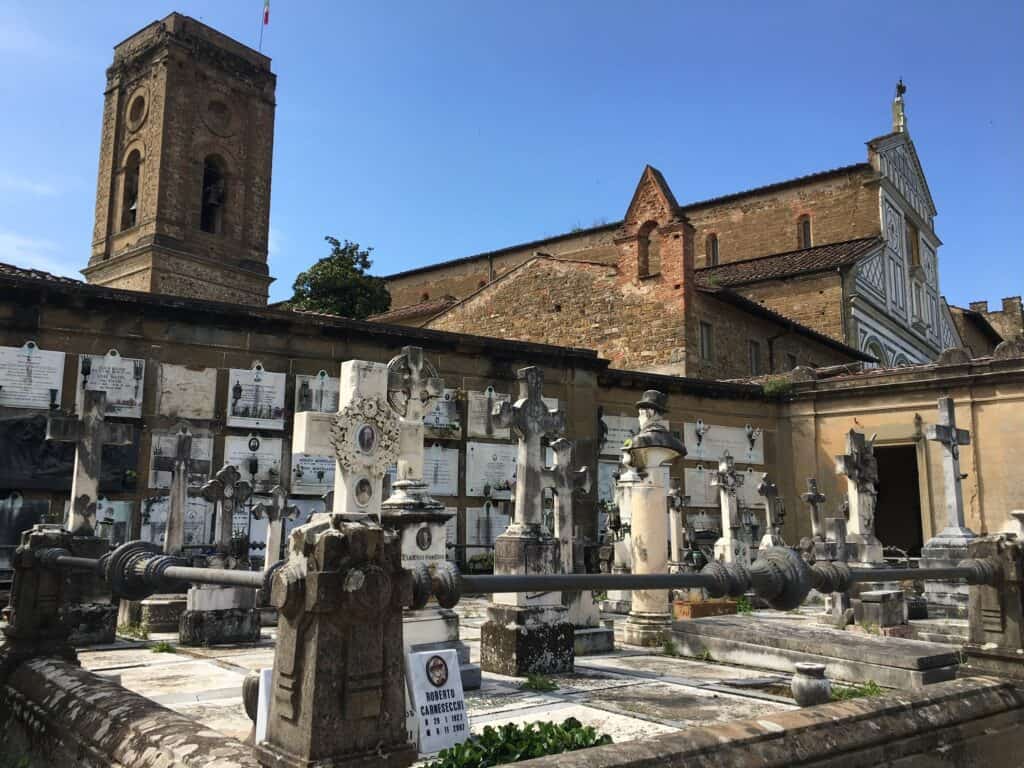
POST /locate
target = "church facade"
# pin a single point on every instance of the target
(849, 253)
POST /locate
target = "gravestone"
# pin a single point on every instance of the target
(218, 614)
(89, 610)
(276, 511)
(948, 599)
(860, 467)
(730, 547)
(417, 519)
(643, 491)
(619, 528)
(527, 633)
(678, 538)
(774, 514)
(814, 499)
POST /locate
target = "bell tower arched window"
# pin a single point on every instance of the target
(211, 217)
(649, 250)
(130, 190)
(803, 231)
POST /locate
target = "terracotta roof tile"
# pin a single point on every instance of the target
(9, 270)
(422, 309)
(817, 259)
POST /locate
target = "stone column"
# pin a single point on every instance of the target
(948, 598)
(730, 547)
(860, 467)
(524, 632)
(643, 490)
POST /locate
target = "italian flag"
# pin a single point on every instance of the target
(266, 12)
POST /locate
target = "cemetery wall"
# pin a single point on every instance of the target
(899, 404)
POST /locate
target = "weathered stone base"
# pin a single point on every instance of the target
(162, 613)
(91, 623)
(518, 641)
(616, 606)
(588, 641)
(232, 625)
(946, 599)
(273, 757)
(646, 629)
(984, 661)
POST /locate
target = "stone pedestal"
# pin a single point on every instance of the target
(649, 616)
(526, 633)
(90, 616)
(947, 599)
(880, 608)
(219, 615)
(620, 600)
(157, 613)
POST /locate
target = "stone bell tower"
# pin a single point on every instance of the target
(183, 194)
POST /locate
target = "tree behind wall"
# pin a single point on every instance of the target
(338, 284)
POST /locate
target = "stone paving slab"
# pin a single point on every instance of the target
(96, 661)
(226, 715)
(191, 676)
(699, 672)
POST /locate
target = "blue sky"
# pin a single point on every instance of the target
(436, 130)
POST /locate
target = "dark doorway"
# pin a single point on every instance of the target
(898, 511)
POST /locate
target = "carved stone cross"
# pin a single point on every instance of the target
(531, 420)
(860, 467)
(89, 434)
(565, 480)
(774, 514)
(228, 491)
(730, 548)
(814, 499)
(180, 464)
(413, 386)
(677, 502)
(946, 433)
(276, 512)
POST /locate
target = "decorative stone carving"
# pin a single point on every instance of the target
(860, 467)
(730, 547)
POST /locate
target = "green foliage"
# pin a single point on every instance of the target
(136, 631)
(162, 647)
(777, 386)
(511, 743)
(705, 655)
(668, 645)
(481, 563)
(541, 683)
(845, 693)
(338, 284)
(743, 605)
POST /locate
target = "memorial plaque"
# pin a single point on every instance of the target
(255, 398)
(479, 408)
(184, 392)
(710, 441)
(618, 429)
(316, 393)
(312, 475)
(747, 494)
(441, 470)
(165, 443)
(438, 705)
(484, 525)
(606, 480)
(443, 421)
(198, 520)
(697, 485)
(258, 459)
(242, 522)
(122, 378)
(451, 531)
(114, 520)
(489, 464)
(30, 377)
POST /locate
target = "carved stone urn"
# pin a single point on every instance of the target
(810, 686)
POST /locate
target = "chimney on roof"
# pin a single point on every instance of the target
(978, 306)
(899, 115)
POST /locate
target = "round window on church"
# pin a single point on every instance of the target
(136, 111)
(218, 117)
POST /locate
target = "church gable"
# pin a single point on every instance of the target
(652, 201)
(897, 160)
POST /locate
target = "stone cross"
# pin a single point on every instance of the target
(774, 514)
(565, 480)
(946, 433)
(276, 512)
(413, 386)
(89, 434)
(228, 491)
(531, 420)
(730, 548)
(677, 502)
(860, 467)
(180, 464)
(814, 499)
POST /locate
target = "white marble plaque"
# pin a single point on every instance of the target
(30, 377)
(492, 464)
(441, 470)
(316, 393)
(122, 378)
(619, 429)
(243, 522)
(266, 451)
(437, 701)
(312, 475)
(183, 392)
(451, 531)
(198, 520)
(606, 480)
(165, 443)
(712, 440)
(747, 494)
(479, 408)
(484, 525)
(698, 487)
(255, 398)
(113, 520)
(445, 413)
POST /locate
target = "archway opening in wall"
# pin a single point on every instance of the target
(211, 217)
(130, 192)
(649, 250)
(898, 507)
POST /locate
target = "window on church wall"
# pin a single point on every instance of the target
(648, 250)
(211, 217)
(711, 250)
(754, 355)
(913, 245)
(130, 190)
(706, 342)
(803, 231)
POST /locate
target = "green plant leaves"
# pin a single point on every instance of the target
(511, 743)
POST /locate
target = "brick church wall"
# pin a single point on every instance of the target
(812, 300)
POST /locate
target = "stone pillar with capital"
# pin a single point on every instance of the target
(642, 487)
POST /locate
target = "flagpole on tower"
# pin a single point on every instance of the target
(264, 20)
